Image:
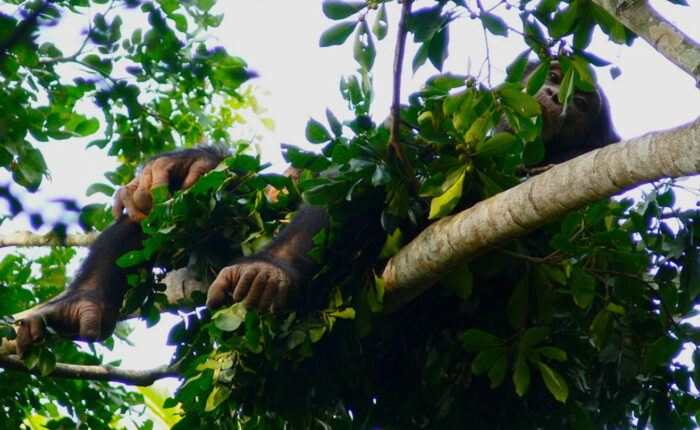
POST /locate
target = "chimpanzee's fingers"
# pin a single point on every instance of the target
(162, 172)
(270, 290)
(134, 211)
(222, 286)
(29, 332)
(280, 304)
(141, 197)
(257, 288)
(24, 339)
(90, 318)
(196, 170)
(117, 205)
(246, 278)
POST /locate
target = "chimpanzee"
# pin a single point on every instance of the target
(272, 279)
(585, 126)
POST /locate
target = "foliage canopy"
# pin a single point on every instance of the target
(575, 325)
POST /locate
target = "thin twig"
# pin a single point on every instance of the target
(395, 147)
(93, 373)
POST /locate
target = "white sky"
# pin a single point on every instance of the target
(279, 40)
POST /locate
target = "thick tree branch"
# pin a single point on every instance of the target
(93, 373)
(641, 18)
(598, 174)
(26, 238)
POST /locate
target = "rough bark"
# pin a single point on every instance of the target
(642, 19)
(599, 174)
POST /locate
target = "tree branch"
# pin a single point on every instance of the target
(26, 238)
(598, 174)
(395, 147)
(93, 373)
(641, 18)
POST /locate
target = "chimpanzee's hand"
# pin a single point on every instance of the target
(72, 315)
(263, 286)
(179, 167)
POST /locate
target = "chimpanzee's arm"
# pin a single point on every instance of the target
(272, 279)
(89, 308)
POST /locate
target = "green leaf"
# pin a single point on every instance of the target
(130, 259)
(498, 371)
(477, 130)
(537, 78)
(564, 20)
(217, 396)
(337, 34)
(231, 318)
(533, 336)
(554, 382)
(552, 352)
(521, 375)
(336, 126)
(485, 359)
(533, 152)
(443, 205)
(47, 362)
(97, 63)
(437, 50)
(375, 295)
(524, 104)
(585, 79)
(381, 25)
(316, 132)
(494, 24)
(497, 146)
(99, 188)
(347, 313)
(363, 48)
(87, 127)
(420, 57)
(336, 9)
(381, 175)
(325, 194)
(602, 329)
(661, 352)
(479, 340)
(583, 286)
(516, 69)
(615, 308)
(460, 281)
(567, 86)
(517, 305)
